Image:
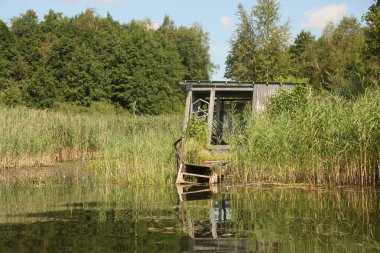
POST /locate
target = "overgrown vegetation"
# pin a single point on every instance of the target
(93, 64)
(128, 148)
(321, 140)
(330, 138)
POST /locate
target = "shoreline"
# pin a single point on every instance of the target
(54, 171)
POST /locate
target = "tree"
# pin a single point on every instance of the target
(192, 44)
(28, 37)
(372, 40)
(259, 48)
(298, 51)
(7, 51)
(335, 61)
(88, 58)
(146, 70)
(41, 89)
(240, 64)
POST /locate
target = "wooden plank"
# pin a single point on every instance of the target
(198, 165)
(253, 100)
(222, 88)
(179, 175)
(187, 110)
(210, 114)
(195, 175)
(218, 120)
(199, 191)
(214, 163)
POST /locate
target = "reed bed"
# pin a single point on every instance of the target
(327, 141)
(129, 203)
(308, 221)
(121, 147)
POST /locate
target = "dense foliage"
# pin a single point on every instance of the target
(137, 147)
(88, 58)
(345, 59)
(321, 140)
(258, 49)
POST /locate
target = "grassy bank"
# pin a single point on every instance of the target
(322, 140)
(121, 147)
(319, 140)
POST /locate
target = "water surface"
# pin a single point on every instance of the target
(83, 217)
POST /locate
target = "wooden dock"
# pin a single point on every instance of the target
(209, 172)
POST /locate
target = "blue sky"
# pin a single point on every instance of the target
(217, 17)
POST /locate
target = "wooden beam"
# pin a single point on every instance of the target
(195, 175)
(218, 121)
(222, 88)
(179, 175)
(210, 114)
(187, 110)
(253, 100)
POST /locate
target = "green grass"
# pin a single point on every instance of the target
(323, 140)
(122, 147)
(327, 141)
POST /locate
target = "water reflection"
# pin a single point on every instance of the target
(86, 217)
(207, 220)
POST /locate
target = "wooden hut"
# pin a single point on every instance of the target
(213, 101)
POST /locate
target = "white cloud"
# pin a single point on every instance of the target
(226, 22)
(317, 19)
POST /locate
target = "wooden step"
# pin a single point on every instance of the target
(195, 175)
(220, 149)
(196, 171)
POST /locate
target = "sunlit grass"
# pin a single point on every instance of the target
(329, 141)
(127, 148)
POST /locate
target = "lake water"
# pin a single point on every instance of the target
(84, 217)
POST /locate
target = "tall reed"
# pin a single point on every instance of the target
(134, 148)
(327, 140)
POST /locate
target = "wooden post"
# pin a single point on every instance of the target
(187, 109)
(210, 114)
(254, 99)
(218, 121)
(214, 226)
(179, 174)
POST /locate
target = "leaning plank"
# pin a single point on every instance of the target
(179, 175)
(194, 175)
(197, 165)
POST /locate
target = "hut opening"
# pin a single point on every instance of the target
(218, 102)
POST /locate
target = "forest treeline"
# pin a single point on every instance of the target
(345, 59)
(88, 59)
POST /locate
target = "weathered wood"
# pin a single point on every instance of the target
(221, 93)
(210, 114)
(195, 175)
(187, 109)
(180, 179)
(222, 88)
(220, 149)
(253, 100)
(197, 165)
(198, 171)
(218, 120)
